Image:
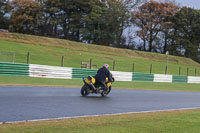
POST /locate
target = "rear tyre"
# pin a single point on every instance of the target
(85, 90)
(106, 92)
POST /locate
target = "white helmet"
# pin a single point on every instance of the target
(106, 66)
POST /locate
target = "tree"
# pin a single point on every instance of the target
(49, 19)
(152, 18)
(94, 23)
(25, 16)
(118, 17)
(108, 20)
(4, 8)
(167, 25)
(186, 34)
(70, 16)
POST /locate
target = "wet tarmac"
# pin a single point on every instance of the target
(33, 103)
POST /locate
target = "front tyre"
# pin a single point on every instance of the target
(85, 90)
(106, 92)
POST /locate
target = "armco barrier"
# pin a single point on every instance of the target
(193, 79)
(11, 69)
(162, 78)
(179, 79)
(142, 77)
(44, 71)
(80, 73)
(122, 76)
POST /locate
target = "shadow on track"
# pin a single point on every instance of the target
(95, 97)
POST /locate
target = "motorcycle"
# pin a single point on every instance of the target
(92, 87)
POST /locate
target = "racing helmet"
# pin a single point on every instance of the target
(106, 66)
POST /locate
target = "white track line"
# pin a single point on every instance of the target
(62, 118)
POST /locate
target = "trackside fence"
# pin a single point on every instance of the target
(11, 69)
(44, 71)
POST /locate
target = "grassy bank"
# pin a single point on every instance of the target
(48, 51)
(160, 122)
(28, 81)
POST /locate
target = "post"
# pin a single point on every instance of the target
(28, 57)
(113, 65)
(195, 71)
(179, 71)
(62, 63)
(166, 69)
(187, 71)
(167, 53)
(133, 67)
(90, 63)
(151, 68)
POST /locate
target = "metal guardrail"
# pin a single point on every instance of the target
(11, 69)
(44, 71)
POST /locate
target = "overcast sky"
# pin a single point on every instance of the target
(189, 3)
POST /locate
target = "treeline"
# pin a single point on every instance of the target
(134, 24)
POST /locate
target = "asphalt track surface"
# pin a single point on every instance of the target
(33, 103)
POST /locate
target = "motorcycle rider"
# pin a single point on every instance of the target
(101, 75)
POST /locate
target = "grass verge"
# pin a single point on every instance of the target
(48, 51)
(29, 81)
(187, 121)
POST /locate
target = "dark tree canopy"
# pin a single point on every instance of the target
(4, 8)
(187, 35)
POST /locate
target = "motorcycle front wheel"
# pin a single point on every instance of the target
(105, 93)
(85, 90)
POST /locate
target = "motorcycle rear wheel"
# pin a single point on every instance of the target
(84, 90)
(105, 93)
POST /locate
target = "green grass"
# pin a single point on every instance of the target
(28, 81)
(48, 51)
(159, 122)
